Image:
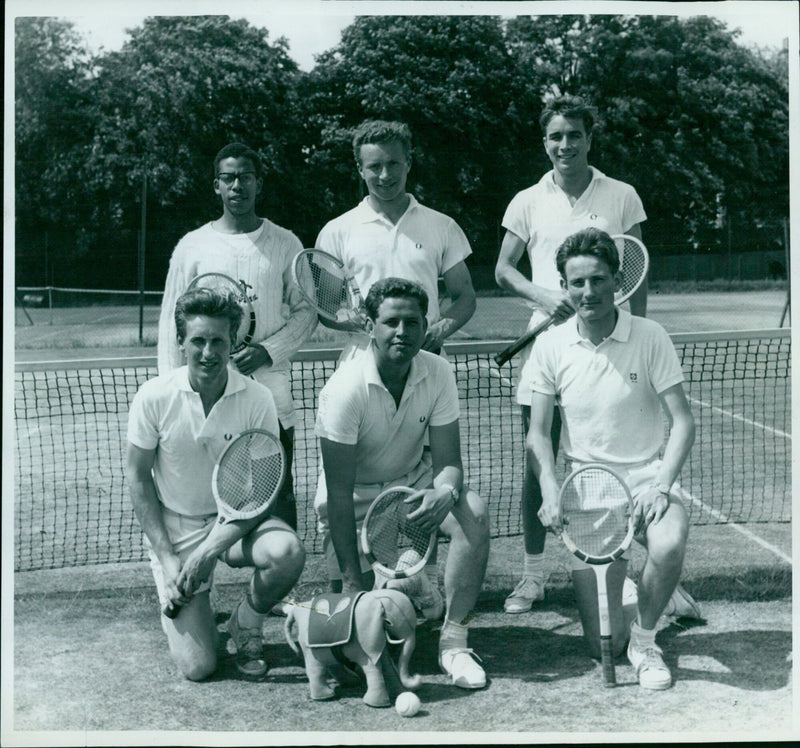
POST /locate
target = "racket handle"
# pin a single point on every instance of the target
(390, 675)
(607, 658)
(508, 353)
(171, 611)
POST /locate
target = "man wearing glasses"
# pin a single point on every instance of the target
(258, 253)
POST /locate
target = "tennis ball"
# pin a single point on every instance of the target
(407, 704)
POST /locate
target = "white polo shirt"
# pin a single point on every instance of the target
(422, 246)
(543, 218)
(263, 260)
(356, 408)
(166, 414)
(608, 394)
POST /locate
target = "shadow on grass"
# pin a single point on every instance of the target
(756, 660)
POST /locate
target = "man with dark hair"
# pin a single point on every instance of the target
(179, 424)
(258, 253)
(374, 413)
(390, 234)
(572, 196)
(612, 375)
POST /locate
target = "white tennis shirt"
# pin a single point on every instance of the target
(608, 394)
(167, 415)
(543, 218)
(356, 408)
(422, 246)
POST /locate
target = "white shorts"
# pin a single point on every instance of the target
(363, 495)
(186, 533)
(639, 477)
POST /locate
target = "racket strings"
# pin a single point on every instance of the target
(633, 266)
(331, 290)
(250, 473)
(227, 286)
(390, 536)
(596, 512)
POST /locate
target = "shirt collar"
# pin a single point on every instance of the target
(621, 331)
(367, 213)
(234, 384)
(418, 371)
(550, 182)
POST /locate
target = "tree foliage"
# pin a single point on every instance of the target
(452, 80)
(695, 121)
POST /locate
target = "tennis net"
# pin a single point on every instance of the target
(71, 505)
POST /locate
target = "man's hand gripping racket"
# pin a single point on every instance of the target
(634, 263)
(246, 480)
(396, 547)
(596, 523)
(326, 284)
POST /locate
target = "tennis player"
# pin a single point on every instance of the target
(571, 196)
(258, 252)
(390, 234)
(178, 425)
(612, 375)
(373, 415)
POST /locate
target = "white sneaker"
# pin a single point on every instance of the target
(525, 594)
(682, 605)
(649, 665)
(460, 665)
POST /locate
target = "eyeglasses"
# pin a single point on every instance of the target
(229, 177)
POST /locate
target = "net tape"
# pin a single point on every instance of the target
(71, 499)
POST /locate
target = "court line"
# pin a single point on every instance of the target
(737, 417)
(735, 526)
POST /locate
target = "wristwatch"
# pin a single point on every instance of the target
(453, 492)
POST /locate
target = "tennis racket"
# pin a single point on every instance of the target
(633, 264)
(395, 547)
(246, 480)
(224, 284)
(326, 284)
(596, 512)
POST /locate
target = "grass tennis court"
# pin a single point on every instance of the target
(83, 634)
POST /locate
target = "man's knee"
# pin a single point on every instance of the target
(472, 519)
(282, 550)
(666, 540)
(197, 666)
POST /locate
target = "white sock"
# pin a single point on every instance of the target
(452, 636)
(533, 567)
(642, 638)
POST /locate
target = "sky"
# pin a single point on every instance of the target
(313, 26)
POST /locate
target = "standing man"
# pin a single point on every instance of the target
(373, 416)
(179, 424)
(390, 234)
(258, 253)
(571, 196)
(612, 374)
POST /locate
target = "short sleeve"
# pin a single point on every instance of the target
(143, 429)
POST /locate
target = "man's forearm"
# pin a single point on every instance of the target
(342, 526)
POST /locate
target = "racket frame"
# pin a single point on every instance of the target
(353, 290)
(619, 297)
(599, 565)
(242, 341)
(386, 571)
(225, 512)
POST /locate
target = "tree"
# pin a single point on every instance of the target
(691, 118)
(452, 80)
(51, 126)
